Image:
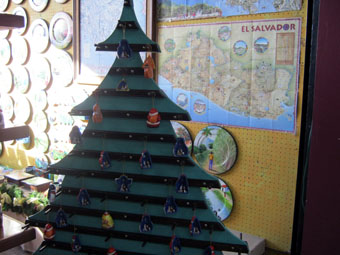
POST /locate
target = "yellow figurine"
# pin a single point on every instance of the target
(107, 221)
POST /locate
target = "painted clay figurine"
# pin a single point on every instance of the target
(148, 66)
(49, 232)
(97, 115)
(170, 206)
(61, 219)
(111, 251)
(182, 184)
(75, 245)
(146, 224)
(122, 86)
(124, 50)
(195, 226)
(153, 119)
(84, 197)
(123, 183)
(175, 245)
(52, 191)
(145, 161)
(180, 149)
(75, 135)
(107, 221)
(210, 250)
(104, 160)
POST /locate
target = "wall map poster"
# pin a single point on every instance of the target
(235, 73)
(198, 9)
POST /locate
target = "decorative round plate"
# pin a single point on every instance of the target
(61, 30)
(40, 72)
(61, 68)
(220, 200)
(39, 121)
(22, 109)
(42, 161)
(41, 142)
(17, 1)
(3, 5)
(5, 51)
(38, 5)
(39, 100)
(21, 79)
(61, 1)
(19, 50)
(4, 33)
(1, 148)
(22, 12)
(182, 131)
(39, 35)
(7, 106)
(215, 149)
(6, 79)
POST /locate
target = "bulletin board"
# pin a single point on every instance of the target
(263, 180)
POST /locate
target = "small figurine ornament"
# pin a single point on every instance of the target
(61, 219)
(170, 206)
(84, 197)
(49, 232)
(182, 184)
(123, 183)
(75, 135)
(180, 149)
(107, 221)
(145, 160)
(146, 224)
(51, 194)
(195, 226)
(122, 86)
(210, 250)
(111, 251)
(124, 50)
(148, 66)
(175, 245)
(154, 118)
(104, 160)
(75, 245)
(97, 115)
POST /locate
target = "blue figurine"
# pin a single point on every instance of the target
(180, 149)
(195, 226)
(124, 183)
(75, 245)
(104, 160)
(84, 197)
(75, 135)
(175, 245)
(170, 206)
(122, 86)
(124, 49)
(52, 192)
(146, 224)
(61, 219)
(145, 160)
(210, 250)
(182, 184)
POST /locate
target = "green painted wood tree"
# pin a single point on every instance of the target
(123, 134)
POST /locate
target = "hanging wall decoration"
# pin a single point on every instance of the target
(61, 67)
(145, 161)
(75, 135)
(104, 160)
(182, 184)
(146, 224)
(40, 71)
(180, 148)
(122, 86)
(4, 33)
(215, 149)
(17, 1)
(75, 244)
(195, 226)
(19, 50)
(52, 192)
(175, 245)
(170, 205)
(38, 6)
(39, 38)
(49, 232)
(6, 79)
(22, 109)
(39, 99)
(7, 106)
(5, 51)
(182, 131)
(209, 250)
(22, 12)
(153, 119)
(41, 142)
(84, 197)
(21, 79)
(3, 5)
(61, 30)
(123, 183)
(107, 221)
(111, 251)
(61, 219)
(61, 1)
(39, 121)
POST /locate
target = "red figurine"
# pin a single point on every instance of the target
(112, 251)
(148, 66)
(154, 118)
(97, 115)
(49, 232)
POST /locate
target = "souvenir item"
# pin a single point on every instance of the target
(75, 135)
(124, 50)
(170, 205)
(49, 232)
(21, 79)
(75, 245)
(146, 224)
(19, 50)
(122, 86)
(210, 250)
(39, 121)
(145, 161)
(38, 6)
(39, 99)
(148, 66)
(97, 115)
(42, 161)
(17, 1)
(6, 78)
(2, 120)
(39, 38)
(5, 51)
(182, 184)
(61, 1)
(104, 160)
(182, 131)
(41, 142)
(3, 5)
(123, 183)
(22, 109)
(61, 67)
(195, 226)
(175, 245)
(180, 149)
(111, 251)
(7, 106)
(61, 219)
(4, 33)
(107, 221)
(84, 197)
(61, 30)
(22, 12)
(40, 72)
(154, 118)
(52, 191)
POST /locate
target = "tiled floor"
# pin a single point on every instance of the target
(15, 251)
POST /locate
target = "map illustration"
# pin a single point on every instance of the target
(237, 73)
(197, 9)
(96, 28)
